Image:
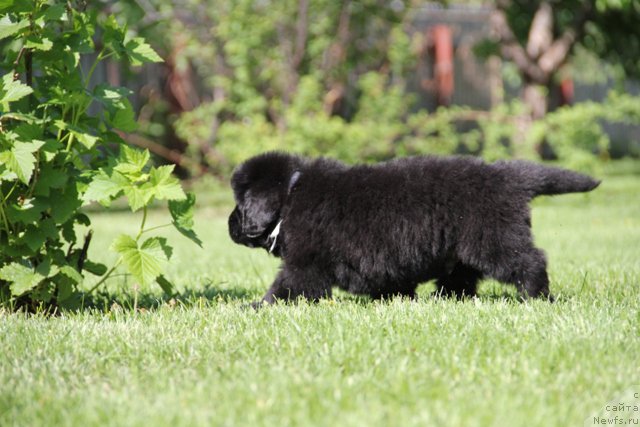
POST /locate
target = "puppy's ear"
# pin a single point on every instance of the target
(259, 211)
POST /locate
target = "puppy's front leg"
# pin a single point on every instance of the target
(293, 282)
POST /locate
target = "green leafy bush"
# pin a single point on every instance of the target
(322, 77)
(370, 136)
(56, 155)
(385, 127)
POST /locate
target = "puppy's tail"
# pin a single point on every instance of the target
(541, 179)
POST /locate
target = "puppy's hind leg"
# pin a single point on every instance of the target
(461, 282)
(533, 280)
(528, 271)
(291, 283)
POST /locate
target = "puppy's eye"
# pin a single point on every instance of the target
(240, 195)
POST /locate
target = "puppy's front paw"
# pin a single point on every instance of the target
(256, 305)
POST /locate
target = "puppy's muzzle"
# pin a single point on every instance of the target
(235, 226)
(238, 233)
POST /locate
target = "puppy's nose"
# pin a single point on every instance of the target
(235, 227)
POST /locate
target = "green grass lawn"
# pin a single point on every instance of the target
(202, 359)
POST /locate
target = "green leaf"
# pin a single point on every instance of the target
(5, 4)
(78, 132)
(139, 52)
(14, 250)
(94, 268)
(182, 214)
(138, 196)
(165, 186)
(43, 44)
(8, 28)
(12, 90)
(37, 234)
(69, 232)
(83, 219)
(85, 139)
(131, 160)
(49, 177)
(71, 273)
(7, 175)
(80, 41)
(124, 243)
(111, 97)
(43, 292)
(21, 277)
(124, 118)
(67, 281)
(51, 146)
(29, 118)
(119, 112)
(29, 131)
(168, 250)
(46, 269)
(21, 160)
(27, 212)
(17, 6)
(166, 285)
(145, 263)
(55, 12)
(104, 187)
(65, 288)
(64, 203)
(113, 36)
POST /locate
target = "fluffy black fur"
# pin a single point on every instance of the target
(382, 229)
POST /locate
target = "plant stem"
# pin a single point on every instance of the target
(3, 206)
(92, 69)
(135, 299)
(156, 227)
(106, 276)
(108, 273)
(144, 220)
(28, 65)
(4, 219)
(16, 63)
(9, 193)
(69, 142)
(101, 56)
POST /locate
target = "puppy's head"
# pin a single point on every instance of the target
(260, 188)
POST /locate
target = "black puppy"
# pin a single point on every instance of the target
(382, 229)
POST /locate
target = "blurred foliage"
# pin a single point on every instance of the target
(320, 77)
(384, 128)
(263, 71)
(610, 26)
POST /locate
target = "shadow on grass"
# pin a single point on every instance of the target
(495, 294)
(216, 294)
(105, 301)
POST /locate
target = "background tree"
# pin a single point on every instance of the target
(244, 60)
(324, 77)
(539, 37)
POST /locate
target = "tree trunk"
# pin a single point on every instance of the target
(543, 54)
(534, 96)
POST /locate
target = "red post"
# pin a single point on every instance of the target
(443, 66)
